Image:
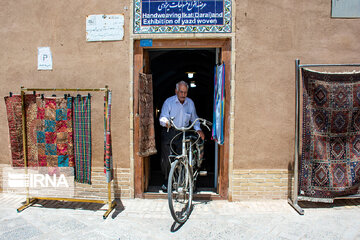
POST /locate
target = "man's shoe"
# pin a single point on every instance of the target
(164, 188)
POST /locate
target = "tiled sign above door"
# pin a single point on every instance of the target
(182, 16)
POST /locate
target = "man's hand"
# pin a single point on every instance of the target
(202, 135)
(166, 122)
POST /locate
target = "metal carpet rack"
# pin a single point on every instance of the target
(295, 195)
(32, 200)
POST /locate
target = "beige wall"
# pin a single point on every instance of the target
(60, 25)
(270, 35)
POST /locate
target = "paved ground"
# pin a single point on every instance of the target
(150, 219)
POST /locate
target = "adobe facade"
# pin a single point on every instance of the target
(265, 39)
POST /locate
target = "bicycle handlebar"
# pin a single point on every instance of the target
(201, 120)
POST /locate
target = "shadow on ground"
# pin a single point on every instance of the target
(67, 205)
(118, 209)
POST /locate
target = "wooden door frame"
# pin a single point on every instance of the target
(141, 66)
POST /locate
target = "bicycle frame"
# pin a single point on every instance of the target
(181, 176)
(184, 156)
(188, 157)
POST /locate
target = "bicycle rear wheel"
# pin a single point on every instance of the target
(180, 190)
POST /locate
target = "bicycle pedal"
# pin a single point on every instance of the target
(203, 173)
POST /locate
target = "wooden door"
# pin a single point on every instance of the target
(142, 164)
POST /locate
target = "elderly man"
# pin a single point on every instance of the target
(182, 109)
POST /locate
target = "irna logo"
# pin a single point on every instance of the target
(37, 180)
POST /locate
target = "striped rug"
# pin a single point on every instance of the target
(82, 138)
(108, 164)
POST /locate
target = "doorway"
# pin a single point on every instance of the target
(196, 67)
(150, 59)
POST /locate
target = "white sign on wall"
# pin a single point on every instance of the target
(44, 58)
(104, 27)
(345, 9)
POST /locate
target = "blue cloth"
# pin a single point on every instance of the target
(183, 113)
(219, 103)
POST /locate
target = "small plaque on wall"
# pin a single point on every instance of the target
(345, 9)
(104, 27)
(44, 58)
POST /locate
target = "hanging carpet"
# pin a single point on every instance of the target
(31, 126)
(108, 161)
(14, 114)
(147, 145)
(219, 103)
(54, 132)
(82, 138)
(330, 161)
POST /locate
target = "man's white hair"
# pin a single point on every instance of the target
(182, 83)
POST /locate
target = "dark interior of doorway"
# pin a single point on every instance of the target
(169, 66)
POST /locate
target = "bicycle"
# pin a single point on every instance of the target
(181, 177)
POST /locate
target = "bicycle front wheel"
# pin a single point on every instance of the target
(180, 190)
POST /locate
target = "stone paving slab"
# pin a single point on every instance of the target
(151, 219)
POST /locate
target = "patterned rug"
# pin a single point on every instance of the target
(31, 126)
(147, 145)
(330, 161)
(82, 138)
(54, 132)
(14, 114)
